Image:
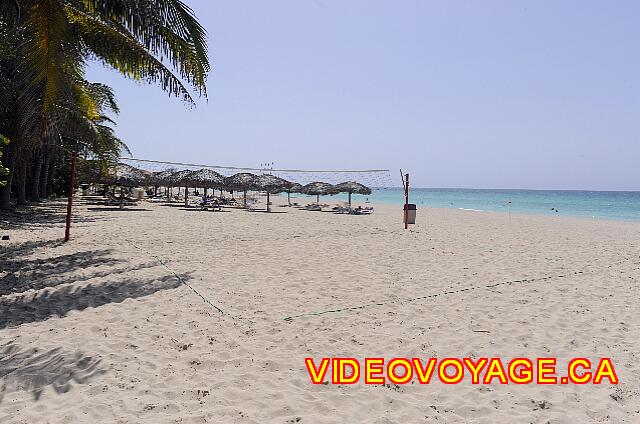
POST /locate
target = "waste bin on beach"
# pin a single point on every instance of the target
(411, 213)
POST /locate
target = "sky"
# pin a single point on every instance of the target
(486, 94)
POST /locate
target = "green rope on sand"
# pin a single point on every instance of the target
(414, 299)
(177, 276)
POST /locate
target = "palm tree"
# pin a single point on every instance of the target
(83, 126)
(3, 171)
(47, 44)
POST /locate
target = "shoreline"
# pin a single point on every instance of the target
(37, 208)
(531, 215)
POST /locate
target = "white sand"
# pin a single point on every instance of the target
(124, 341)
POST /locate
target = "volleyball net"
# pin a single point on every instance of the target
(374, 178)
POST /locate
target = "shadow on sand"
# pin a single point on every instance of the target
(40, 214)
(20, 274)
(55, 279)
(264, 211)
(203, 210)
(118, 209)
(42, 306)
(32, 370)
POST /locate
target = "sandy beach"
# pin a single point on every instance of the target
(123, 323)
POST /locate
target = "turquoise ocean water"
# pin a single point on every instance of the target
(610, 205)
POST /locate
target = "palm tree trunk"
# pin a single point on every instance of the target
(9, 161)
(44, 175)
(36, 168)
(22, 183)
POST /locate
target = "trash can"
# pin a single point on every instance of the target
(411, 215)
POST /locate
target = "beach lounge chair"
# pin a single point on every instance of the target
(362, 211)
(313, 207)
(341, 209)
(209, 203)
(215, 206)
(120, 201)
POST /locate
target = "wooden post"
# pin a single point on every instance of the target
(406, 201)
(67, 232)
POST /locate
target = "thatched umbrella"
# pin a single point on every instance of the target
(181, 179)
(294, 188)
(205, 178)
(178, 178)
(129, 176)
(271, 184)
(318, 189)
(242, 181)
(124, 175)
(161, 178)
(353, 187)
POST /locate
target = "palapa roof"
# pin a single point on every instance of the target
(318, 188)
(353, 187)
(178, 178)
(161, 177)
(205, 178)
(241, 181)
(294, 188)
(126, 175)
(271, 183)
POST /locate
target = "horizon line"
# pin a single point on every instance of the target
(519, 189)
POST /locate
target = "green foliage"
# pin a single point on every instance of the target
(46, 105)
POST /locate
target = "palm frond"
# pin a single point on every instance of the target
(166, 28)
(125, 54)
